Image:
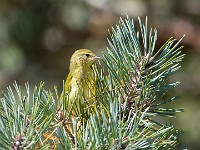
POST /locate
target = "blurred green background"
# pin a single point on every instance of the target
(37, 38)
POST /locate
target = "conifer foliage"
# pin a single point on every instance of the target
(131, 83)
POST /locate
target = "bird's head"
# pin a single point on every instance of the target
(82, 58)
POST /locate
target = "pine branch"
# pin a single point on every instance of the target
(129, 92)
(138, 79)
(22, 126)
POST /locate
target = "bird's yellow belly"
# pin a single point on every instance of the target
(82, 93)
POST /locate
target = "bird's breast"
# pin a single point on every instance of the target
(82, 87)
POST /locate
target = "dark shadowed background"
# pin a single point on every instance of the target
(37, 38)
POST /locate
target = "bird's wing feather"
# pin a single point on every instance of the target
(68, 83)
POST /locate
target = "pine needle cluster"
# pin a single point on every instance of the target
(132, 80)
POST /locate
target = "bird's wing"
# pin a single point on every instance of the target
(68, 83)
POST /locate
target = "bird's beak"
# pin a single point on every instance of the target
(96, 57)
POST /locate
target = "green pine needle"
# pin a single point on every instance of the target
(130, 91)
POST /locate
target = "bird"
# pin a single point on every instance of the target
(79, 90)
(79, 93)
(79, 84)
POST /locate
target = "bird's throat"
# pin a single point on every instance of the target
(81, 73)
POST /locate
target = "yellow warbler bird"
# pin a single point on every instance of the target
(80, 80)
(79, 87)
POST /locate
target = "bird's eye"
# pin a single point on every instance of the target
(87, 55)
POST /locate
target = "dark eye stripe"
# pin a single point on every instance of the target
(87, 55)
